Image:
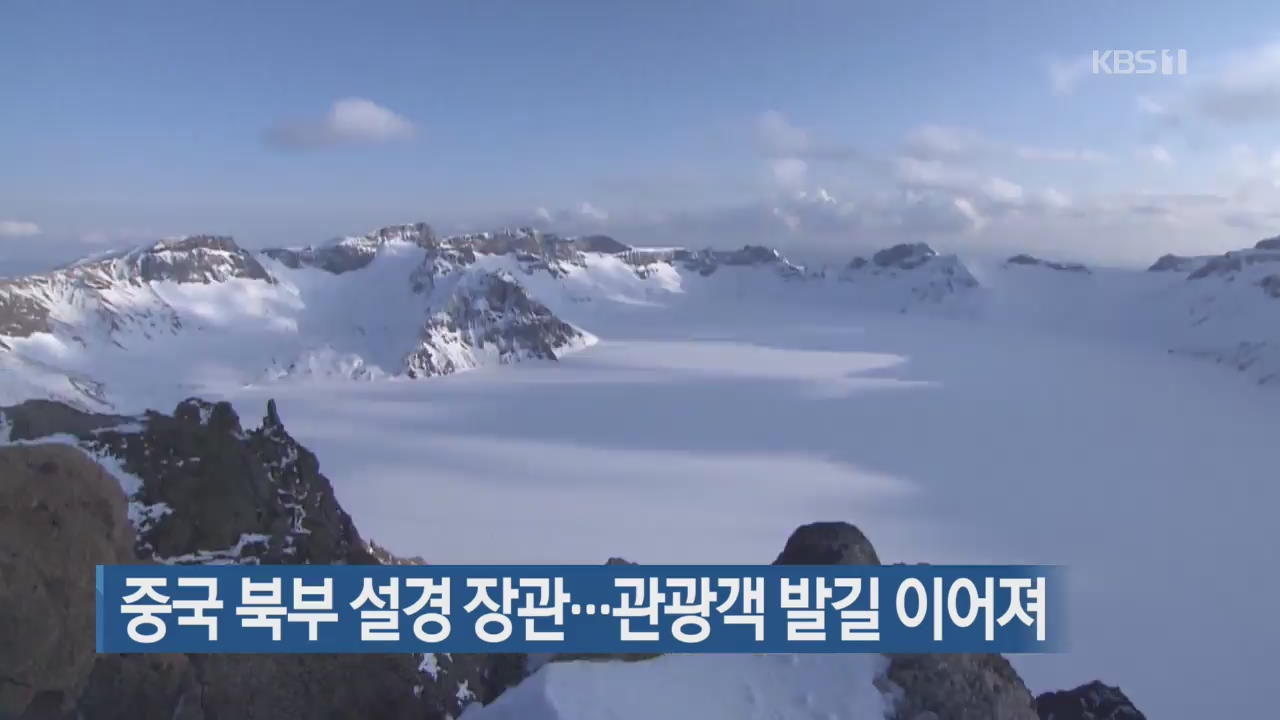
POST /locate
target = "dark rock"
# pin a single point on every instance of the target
(827, 543)
(904, 256)
(924, 686)
(142, 687)
(26, 302)
(490, 309)
(60, 515)
(210, 489)
(309, 686)
(217, 483)
(41, 418)
(1233, 262)
(196, 259)
(1093, 701)
(957, 687)
(599, 244)
(22, 313)
(1271, 243)
(1024, 259)
(1176, 263)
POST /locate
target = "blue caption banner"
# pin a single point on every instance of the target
(579, 609)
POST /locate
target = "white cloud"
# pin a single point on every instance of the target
(591, 212)
(941, 142)
(349, 121)
(779, 136)
(1245, 88)
(1001, 190)
(933, 141)
(1157, 154)
(1150, 106)
(18, 228)
(914, 171)
(1029, 152)
(1054, 198)
(789, 173)
(1066, 75)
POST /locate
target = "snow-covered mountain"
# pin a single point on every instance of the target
(402, 302)
(945, 403)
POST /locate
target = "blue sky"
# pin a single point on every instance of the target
(822, 127)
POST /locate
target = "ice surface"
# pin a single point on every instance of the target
(697, 687)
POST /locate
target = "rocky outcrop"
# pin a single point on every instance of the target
(908, 275)
(533, 250)
(1092, 701)
(979, 686)
(114, 291)
(60, 514)
(352, 253)
(827, 543)
(206, 488)
(192, 259)
(1234, 262)
(67, 512)
(194, 482)
(489, 316)
(904, 256)
(707, 261)
(924, 686)
(1227, 266)
(1175, 263)
(1031, 260)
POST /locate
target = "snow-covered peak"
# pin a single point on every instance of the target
(488, 318)
(1265, 253)
(353, 252)
(907, 274)
(191, 259)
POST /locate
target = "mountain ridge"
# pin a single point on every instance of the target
(402, 301)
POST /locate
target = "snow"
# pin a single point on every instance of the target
(688, 437)
(1038, 418)
(705, 687)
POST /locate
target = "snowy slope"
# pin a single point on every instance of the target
(701, 687)
(958, 411)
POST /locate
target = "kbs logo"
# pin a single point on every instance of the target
(1139, 62)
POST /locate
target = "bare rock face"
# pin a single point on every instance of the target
(142, 687)
(1175, 263)
(1092, 701)
(87, 294)
(1024, 259)
(201, 480)
(489, 314)
(828, 543)
(60, 515)
(904, 256)
(913, 272)
(925, 686)
(208, 489)
(707, 261)
(1271, 243)
(978, 686)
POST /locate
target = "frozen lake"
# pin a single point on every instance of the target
(708, 436)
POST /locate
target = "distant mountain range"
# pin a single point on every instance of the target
(404, 302)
